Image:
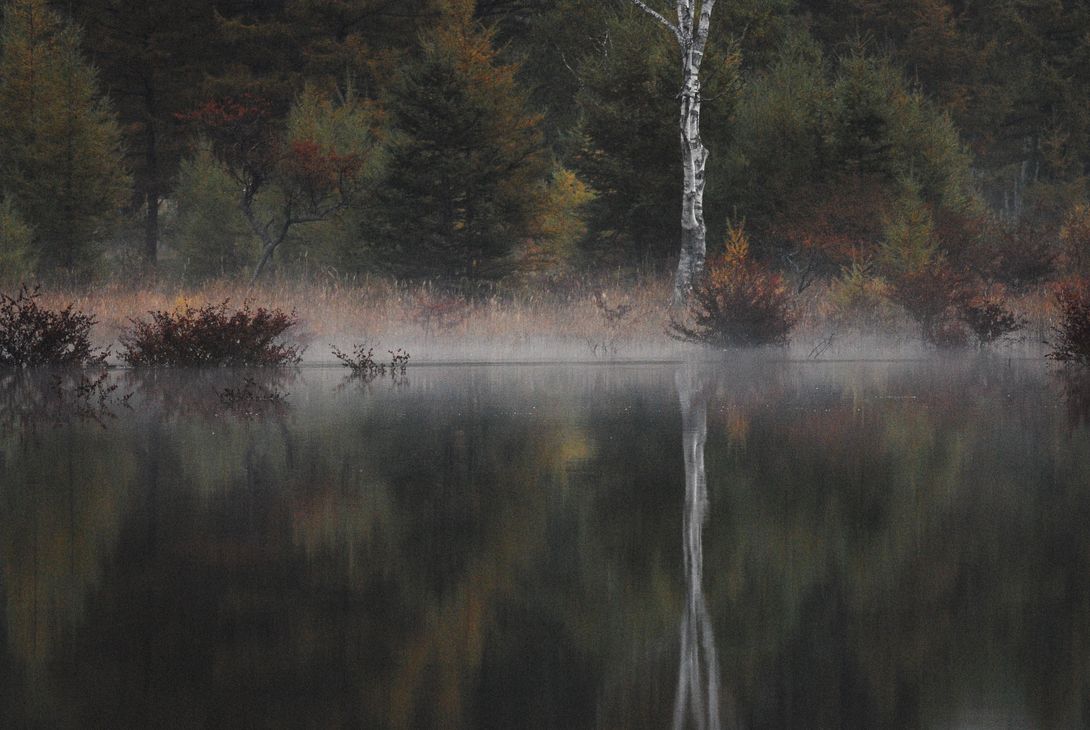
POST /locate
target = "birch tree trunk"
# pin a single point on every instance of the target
(691, 31)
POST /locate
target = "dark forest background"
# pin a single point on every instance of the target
(855, 140)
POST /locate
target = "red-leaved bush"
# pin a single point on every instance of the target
(32, 335)
(738, 302)
(211, 336)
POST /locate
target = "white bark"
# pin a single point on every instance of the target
(694, 156)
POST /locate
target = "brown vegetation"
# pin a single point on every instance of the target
(362, 361)
(210, 336)
(34, 335)
(1072, 343)
(539, 322)
(738, 302)
(567, 320)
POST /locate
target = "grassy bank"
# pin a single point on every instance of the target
(610, 319)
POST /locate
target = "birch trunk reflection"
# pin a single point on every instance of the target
(698, 673)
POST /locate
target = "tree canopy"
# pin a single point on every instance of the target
(820, 118)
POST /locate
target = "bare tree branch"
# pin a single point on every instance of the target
(660, 18)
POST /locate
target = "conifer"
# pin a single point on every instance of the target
(60, 151)
(467, 167)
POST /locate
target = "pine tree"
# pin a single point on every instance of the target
(629, 104)
(153, 56)
(467, 169)
(15, 246)
(276, 49)
(60, 153)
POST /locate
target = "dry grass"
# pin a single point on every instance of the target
(525, 324)
(822, 334)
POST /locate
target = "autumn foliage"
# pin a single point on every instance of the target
(932, 295)
(238, 128)
(32, 335)
(1072, 344)
(210, 336)
(738, 302)
(243, 137)
(314, 181)
(314, 172)
(829, 226)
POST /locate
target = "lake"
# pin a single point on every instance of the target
(755, 544)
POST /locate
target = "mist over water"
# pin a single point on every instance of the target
(750, 544)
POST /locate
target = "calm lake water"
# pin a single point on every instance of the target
(786, 545)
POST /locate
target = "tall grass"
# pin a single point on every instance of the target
(530, 322)
(576, 321)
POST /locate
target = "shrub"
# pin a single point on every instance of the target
(362, 361)
(989, 319)
(859, 298)
(933, 296)
(738, 302)
(211, 336)
(1073, 344)
(31, 335)
(830, 226)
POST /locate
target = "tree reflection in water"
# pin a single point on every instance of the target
(888, 545)
(698, 672)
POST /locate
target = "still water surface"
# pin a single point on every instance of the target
(785, 545)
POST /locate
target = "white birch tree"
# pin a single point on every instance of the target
(691, 31)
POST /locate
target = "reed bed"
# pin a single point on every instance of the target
(524, 324)
(606, 319)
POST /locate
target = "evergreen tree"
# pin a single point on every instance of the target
(276, 49)
(1011, 74)
(153, 56)
(467, 169)
(60, 152)
(1039, 114)
(821, 151)
(16, 245)
(209, 232)
(630, 139)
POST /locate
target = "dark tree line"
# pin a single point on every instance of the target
(841, 132)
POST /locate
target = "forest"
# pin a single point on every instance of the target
(868, 162)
